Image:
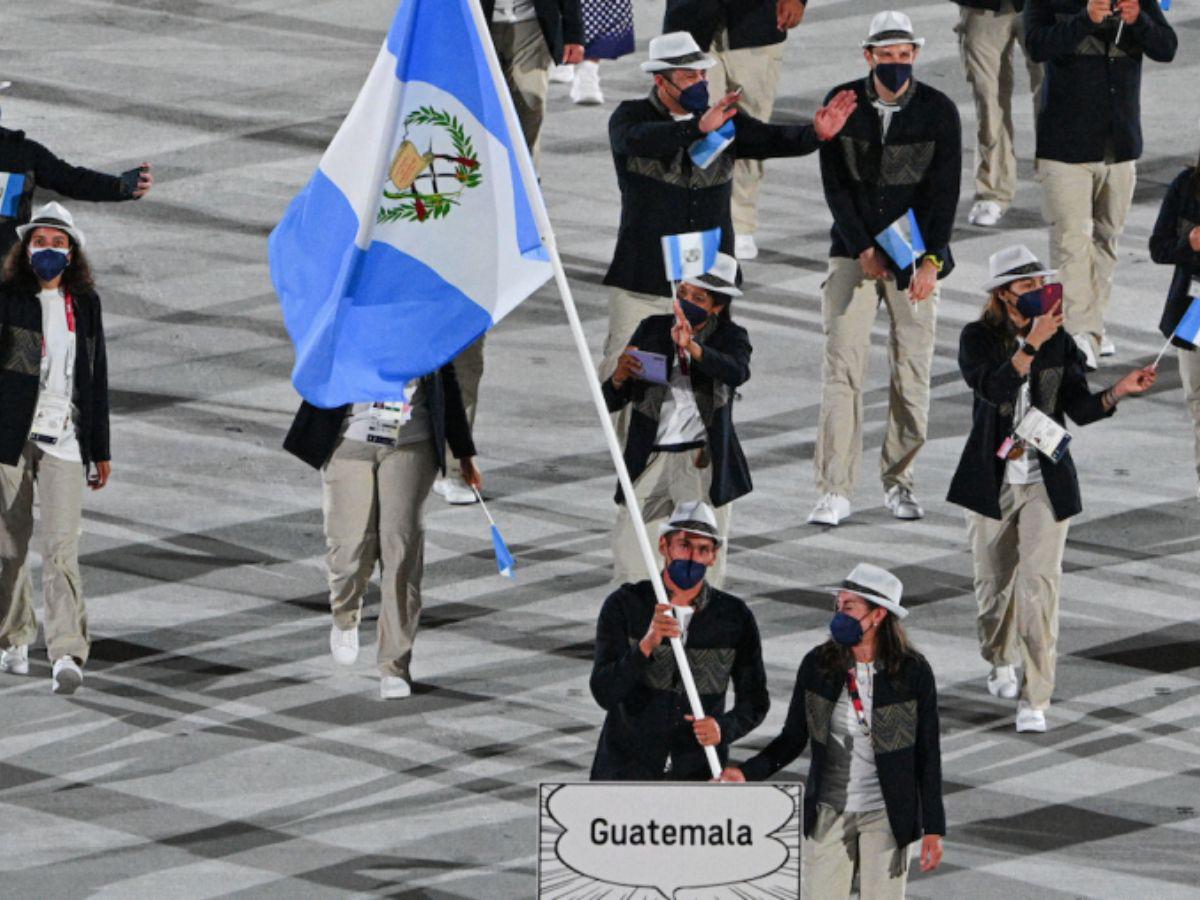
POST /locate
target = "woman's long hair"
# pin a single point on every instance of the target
(995, 316)
(892, 650)
(16, 272)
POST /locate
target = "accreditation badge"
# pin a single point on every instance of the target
(51, 419)
(385, 419)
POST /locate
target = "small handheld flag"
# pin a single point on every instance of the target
(689, 255)
(504, 560)
(903, 241)
(709, 147)
(1187, 332)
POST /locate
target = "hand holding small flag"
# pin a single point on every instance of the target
(1136, 382)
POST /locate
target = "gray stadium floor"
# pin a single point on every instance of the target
(214, 750)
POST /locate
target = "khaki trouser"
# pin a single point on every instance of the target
(626, 309)
(987, 41)
(1189, 373)
(1086, 205)
(373, 501)
(756, 71)
(1018, 565)
(468, 366)
(60, 499)
(525, 61)
(849, 303)
(843, 842)
(669, 479)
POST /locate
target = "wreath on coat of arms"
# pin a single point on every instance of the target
(423, 191)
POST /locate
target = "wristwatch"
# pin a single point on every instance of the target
(1030, 349)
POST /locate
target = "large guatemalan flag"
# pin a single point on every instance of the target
(418, 231)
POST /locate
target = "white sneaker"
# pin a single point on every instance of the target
(1084, 343)
(66, 677)
(830, 510)
(15, 660)
(1107, 347)
(344, 645)
(562, 74)
(745, 247)
(1030, 719)
(902, 503)
(985, 213)
(585, 86)
(454, 491)
(393, 687)
(1002, 682)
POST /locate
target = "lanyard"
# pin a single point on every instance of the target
(70, 310)
(856, 701)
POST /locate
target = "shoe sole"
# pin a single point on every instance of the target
(344, 662)
(813, 521)
(1031, 729)
(68, 682)
(908, 517)
(394, 695)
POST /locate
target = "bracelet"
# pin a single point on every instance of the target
(1109, 398)
(937, 263)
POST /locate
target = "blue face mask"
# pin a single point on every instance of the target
(893, 76)
(696, 315)
(694, 97)
(685, 574)
(48, 263)
(846, 629)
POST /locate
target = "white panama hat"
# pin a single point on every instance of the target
(52, 215)
(889, 28)
(676, 50)
(694, 517)
(720, 279)
(1011, 264)
(875, 585)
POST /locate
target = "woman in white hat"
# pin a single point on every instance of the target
(868, 701)
(1023, 368)
(53, 432)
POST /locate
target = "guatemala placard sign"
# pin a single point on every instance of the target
(676, 840)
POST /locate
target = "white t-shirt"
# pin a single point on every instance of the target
(513, 11)
(1025, 469)
(57, 379)
(851, 781)
(679, 419)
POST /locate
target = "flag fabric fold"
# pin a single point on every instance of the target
(691, 254)
(504, 559)
(417, 232)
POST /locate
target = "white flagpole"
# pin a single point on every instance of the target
(1154, 365)
(525, 164)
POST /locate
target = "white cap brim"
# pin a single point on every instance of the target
(696, 281)
(1000, 280)
(660, 65)
(666, 528)
(892, 42)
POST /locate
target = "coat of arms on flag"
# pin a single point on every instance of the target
(418, 194)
